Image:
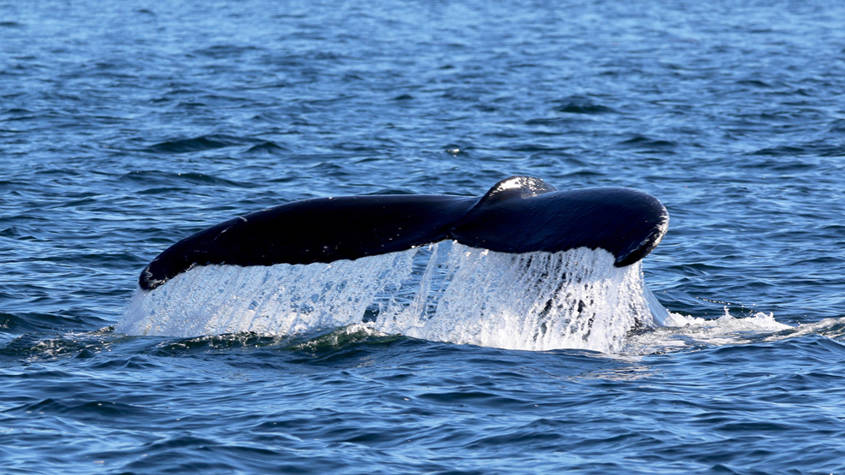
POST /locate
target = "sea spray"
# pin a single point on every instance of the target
(444, 292)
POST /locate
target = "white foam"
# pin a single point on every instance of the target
(683, 331)
(444, 292)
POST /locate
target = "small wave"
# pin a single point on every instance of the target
(267, 146)
(837, 127)
(833, 328)
(581, 105)
(682, 332)
(161, 190)
(534, 147)
(10, 232)
(561, 122)
(780, 150)
(84, 409)
(647, 143)
(21, 322)
(756, 83)
(194, 144)
(780, 164)
(172, 180)
(92, 258)
(18, 113)
(821, 148)
(223, 51)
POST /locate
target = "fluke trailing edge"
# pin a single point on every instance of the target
(517, 215)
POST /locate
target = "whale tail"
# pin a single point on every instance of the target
(517, 215)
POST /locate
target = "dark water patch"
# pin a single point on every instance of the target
(191, 454)
(19, 113)
(837, 127)
(785, 163)
(645, 143)
(820, 148)
(163, 190)
(194, 144)
(827, 149)
(755, 83)
(83, 202)
(330, 169)
(354, 148)
(149, 177)
(266, 147)
(12, 232)
(583, 173)
(581, 105)
(474, 398)
(780, 150)
(131, 363)
(227, 51)
(814, 261)
(59, 171)
(318, 158)
(35, 322)
(191, 145)
(93, 258)
(553, 122)
(225, 101)
(533, 147)
(83, 410)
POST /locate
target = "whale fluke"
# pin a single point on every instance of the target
(517, 215)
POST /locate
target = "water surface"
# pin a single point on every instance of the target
(125, 127)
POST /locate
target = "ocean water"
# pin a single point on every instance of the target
(126, 126)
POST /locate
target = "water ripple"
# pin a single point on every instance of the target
(125, 127)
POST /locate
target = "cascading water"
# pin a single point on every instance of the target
(444, 292)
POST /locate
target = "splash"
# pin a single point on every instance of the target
(443, 292)
(681, 332)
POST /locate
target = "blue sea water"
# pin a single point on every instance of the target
(126, 126)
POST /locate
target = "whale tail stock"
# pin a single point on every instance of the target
(517, 215)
